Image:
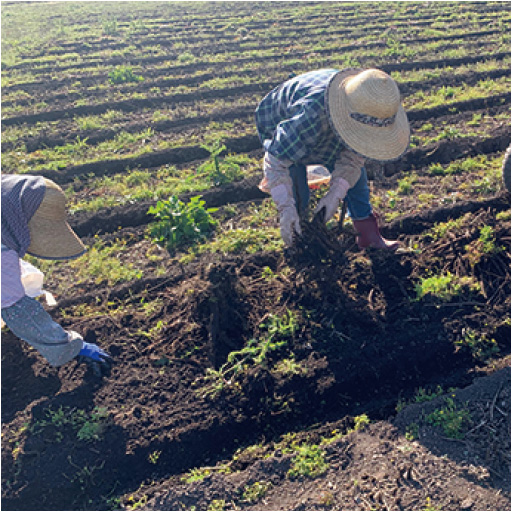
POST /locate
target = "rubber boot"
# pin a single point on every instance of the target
(368, 235)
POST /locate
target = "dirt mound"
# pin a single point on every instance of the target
(378, 468)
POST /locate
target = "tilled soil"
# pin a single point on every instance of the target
(360, 344)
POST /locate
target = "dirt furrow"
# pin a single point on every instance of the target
(139, 103)
(97, 136)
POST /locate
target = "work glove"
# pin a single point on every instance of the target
(331, 201)
(289, 221)
(96, 358)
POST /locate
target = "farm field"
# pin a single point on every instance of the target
(248, 376)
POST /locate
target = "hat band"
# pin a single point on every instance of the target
(373, 121)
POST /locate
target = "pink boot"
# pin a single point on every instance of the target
(368, 235)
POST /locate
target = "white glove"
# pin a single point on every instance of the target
(289, 224)
(331, 201)
(289, 221)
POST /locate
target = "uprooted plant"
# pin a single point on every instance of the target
(279, 330)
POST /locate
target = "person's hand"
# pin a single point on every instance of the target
(289, 224)
(96, 358)
(331, 201)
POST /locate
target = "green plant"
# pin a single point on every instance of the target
(289, 366)
(255, 352)
(360, 422)
(110, 27)
(220, 171)
(217, 505)
(429, 507)
(123, 74)
(412, 432)
(154, 456)
(88, 427)
(101, 264)
(450, 418)
(256, 491)
(481, 347)
(94, 426)
(445, 286)
(196, 475)
(484, 244)
(178, 223)
(185, 57)
(405, 185)
(309, 461)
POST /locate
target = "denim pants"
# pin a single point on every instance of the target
(357, 199)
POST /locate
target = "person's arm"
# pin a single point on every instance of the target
(346, 173)
(28, 320)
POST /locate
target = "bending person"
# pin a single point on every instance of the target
(34, 222)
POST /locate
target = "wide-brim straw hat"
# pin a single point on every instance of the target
(366, 112)
(51, 237)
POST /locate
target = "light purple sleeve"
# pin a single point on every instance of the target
(12, 288)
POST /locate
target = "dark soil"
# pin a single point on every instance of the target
(361, 341)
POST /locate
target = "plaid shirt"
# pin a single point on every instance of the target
(293, 124)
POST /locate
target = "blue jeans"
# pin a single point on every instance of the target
(357, 199)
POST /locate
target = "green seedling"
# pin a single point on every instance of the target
(309, 461)
(256, 491)
(445, 286)
(255, 352)
(450, 418)
(481, 347)
(122, 75)
(178, 223)
(219, 170)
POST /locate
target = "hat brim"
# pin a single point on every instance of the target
(55, 241)
(385, 143)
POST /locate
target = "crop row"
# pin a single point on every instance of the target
(339, 16)
(147, 140)
(100, 127)
(394, 45)
(149, 80)
(155, 99)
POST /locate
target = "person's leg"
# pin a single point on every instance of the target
(300, 187)
(365, 223)
(358, 198)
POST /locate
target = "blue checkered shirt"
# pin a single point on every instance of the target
(293, 124)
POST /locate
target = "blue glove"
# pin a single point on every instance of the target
(96, 358)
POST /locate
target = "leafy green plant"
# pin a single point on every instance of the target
(445, 286)
(405, 185)
(450, 418)
(122, 75)
(256, 491)
(88, 427)
(220, 171)
(484, 244)
(481, 347)
(94, 426)
(309, 461)
(412, 432)
(255, 352)
(179, 223)
(154, 456)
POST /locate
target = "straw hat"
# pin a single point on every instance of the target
(51, 236)
(365, 111)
